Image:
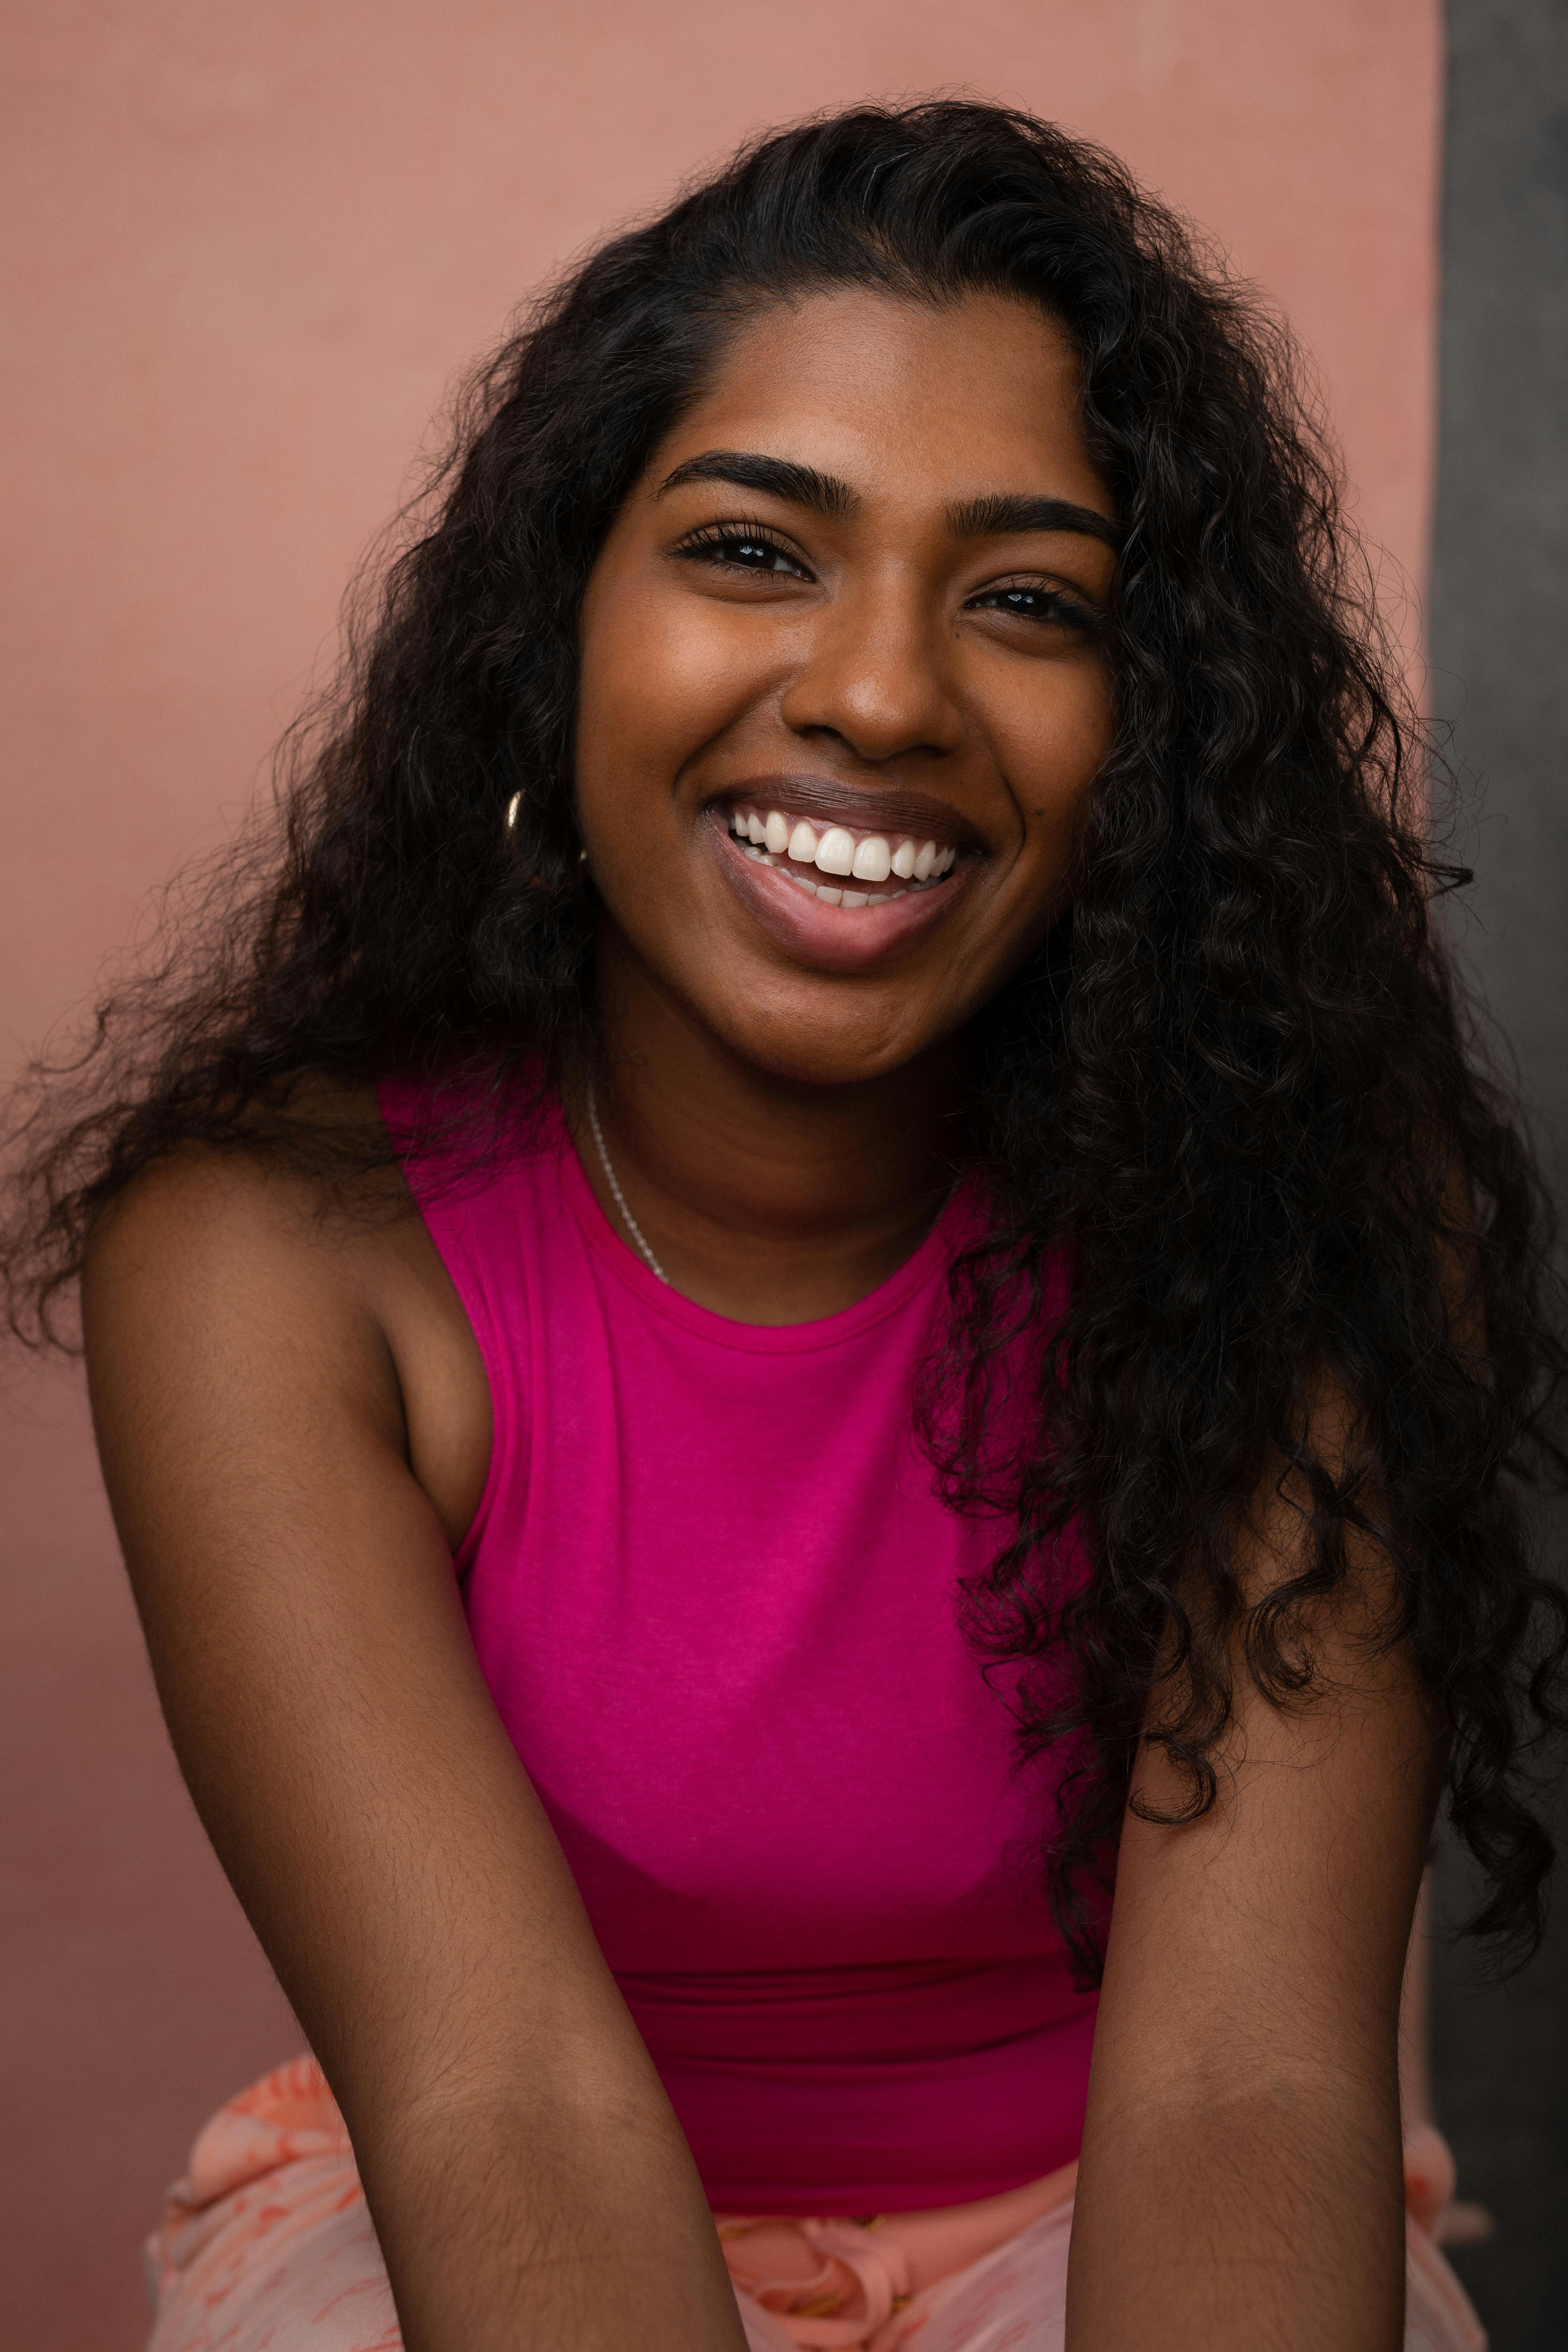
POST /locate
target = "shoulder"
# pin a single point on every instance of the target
(303, 1288)
(223, 1282)
(202, 1223)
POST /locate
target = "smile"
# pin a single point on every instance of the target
(822, 859)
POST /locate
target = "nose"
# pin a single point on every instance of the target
(875, 679)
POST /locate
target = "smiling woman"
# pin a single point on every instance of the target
(886, 668)
(901, 629)
(811, 1346)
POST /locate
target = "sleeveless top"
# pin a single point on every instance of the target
(714, 1596)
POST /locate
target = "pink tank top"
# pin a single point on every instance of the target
(714, 1596)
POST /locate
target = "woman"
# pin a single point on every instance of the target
(847, 1094)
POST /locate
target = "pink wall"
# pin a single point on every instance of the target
(245, 250)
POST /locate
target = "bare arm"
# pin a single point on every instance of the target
(1241, 2171)
(527, 2178)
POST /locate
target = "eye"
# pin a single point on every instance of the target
(742, 547)
(1033, 600)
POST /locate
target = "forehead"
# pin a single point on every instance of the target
(904, 399)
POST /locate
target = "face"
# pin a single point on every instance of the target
(843, 688)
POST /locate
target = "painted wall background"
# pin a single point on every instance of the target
(244, 252)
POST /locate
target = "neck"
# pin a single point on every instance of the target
(765, 1199)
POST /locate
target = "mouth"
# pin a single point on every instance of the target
(844, 865)
(835, 888)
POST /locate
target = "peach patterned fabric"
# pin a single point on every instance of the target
(266, 2246)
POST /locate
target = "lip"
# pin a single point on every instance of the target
(862, 808)
(829, 938)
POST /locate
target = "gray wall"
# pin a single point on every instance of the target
(1499, 636)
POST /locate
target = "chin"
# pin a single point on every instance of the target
(836, 1047)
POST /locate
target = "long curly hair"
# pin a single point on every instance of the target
(1239, 1092)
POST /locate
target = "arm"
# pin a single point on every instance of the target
(1241, 2173)
(528, 2180)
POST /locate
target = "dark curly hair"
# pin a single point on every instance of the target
(1239, 1089)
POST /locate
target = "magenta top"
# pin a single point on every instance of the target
(714, 1596)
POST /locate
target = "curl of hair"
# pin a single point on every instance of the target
(1239, 1087)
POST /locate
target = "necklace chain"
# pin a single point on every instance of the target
(612, 1180)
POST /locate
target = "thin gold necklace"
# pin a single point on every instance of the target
(611, 1178)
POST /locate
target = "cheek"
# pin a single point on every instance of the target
(1055, 754)
(620, 691)
(660, 679)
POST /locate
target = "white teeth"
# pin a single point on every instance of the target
(836, 851)
(831, 895)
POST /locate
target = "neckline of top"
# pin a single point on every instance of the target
(925, 1261)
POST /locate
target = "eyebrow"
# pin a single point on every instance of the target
(1002, 515)
(780, 477)
(998, 516)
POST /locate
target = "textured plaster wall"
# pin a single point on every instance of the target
(244, 251)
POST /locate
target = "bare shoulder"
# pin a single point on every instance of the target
(217, 1266)
(220, 1240)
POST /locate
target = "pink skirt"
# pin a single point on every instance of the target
(266, 2246)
